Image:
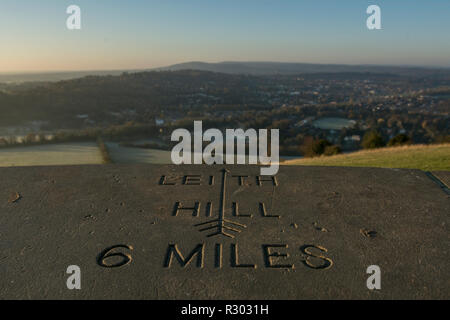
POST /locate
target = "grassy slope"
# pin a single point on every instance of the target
(424, 157)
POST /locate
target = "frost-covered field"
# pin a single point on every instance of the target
(121, 154)
(51, 154)
(82, 153)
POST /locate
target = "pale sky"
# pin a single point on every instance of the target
(136, 34)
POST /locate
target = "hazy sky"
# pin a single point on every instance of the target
(134, 34)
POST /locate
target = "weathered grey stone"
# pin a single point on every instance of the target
(444, 179)
(351, 217)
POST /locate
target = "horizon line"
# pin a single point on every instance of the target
(143, 69)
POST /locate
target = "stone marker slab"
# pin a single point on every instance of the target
(444, 179)
(222, 232)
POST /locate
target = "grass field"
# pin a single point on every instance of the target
(423, 157)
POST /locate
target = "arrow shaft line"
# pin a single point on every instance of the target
(222, 200)
(221, 223)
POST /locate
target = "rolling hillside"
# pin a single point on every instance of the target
(286, 68)
(233, 67)
(423, 157)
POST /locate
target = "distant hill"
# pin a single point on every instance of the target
(282, 68)
(52, 76)
(230, 67)
(423, 157)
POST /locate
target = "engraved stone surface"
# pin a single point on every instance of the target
(222, 232)
(444, 178)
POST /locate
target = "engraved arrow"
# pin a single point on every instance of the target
(221, 224)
